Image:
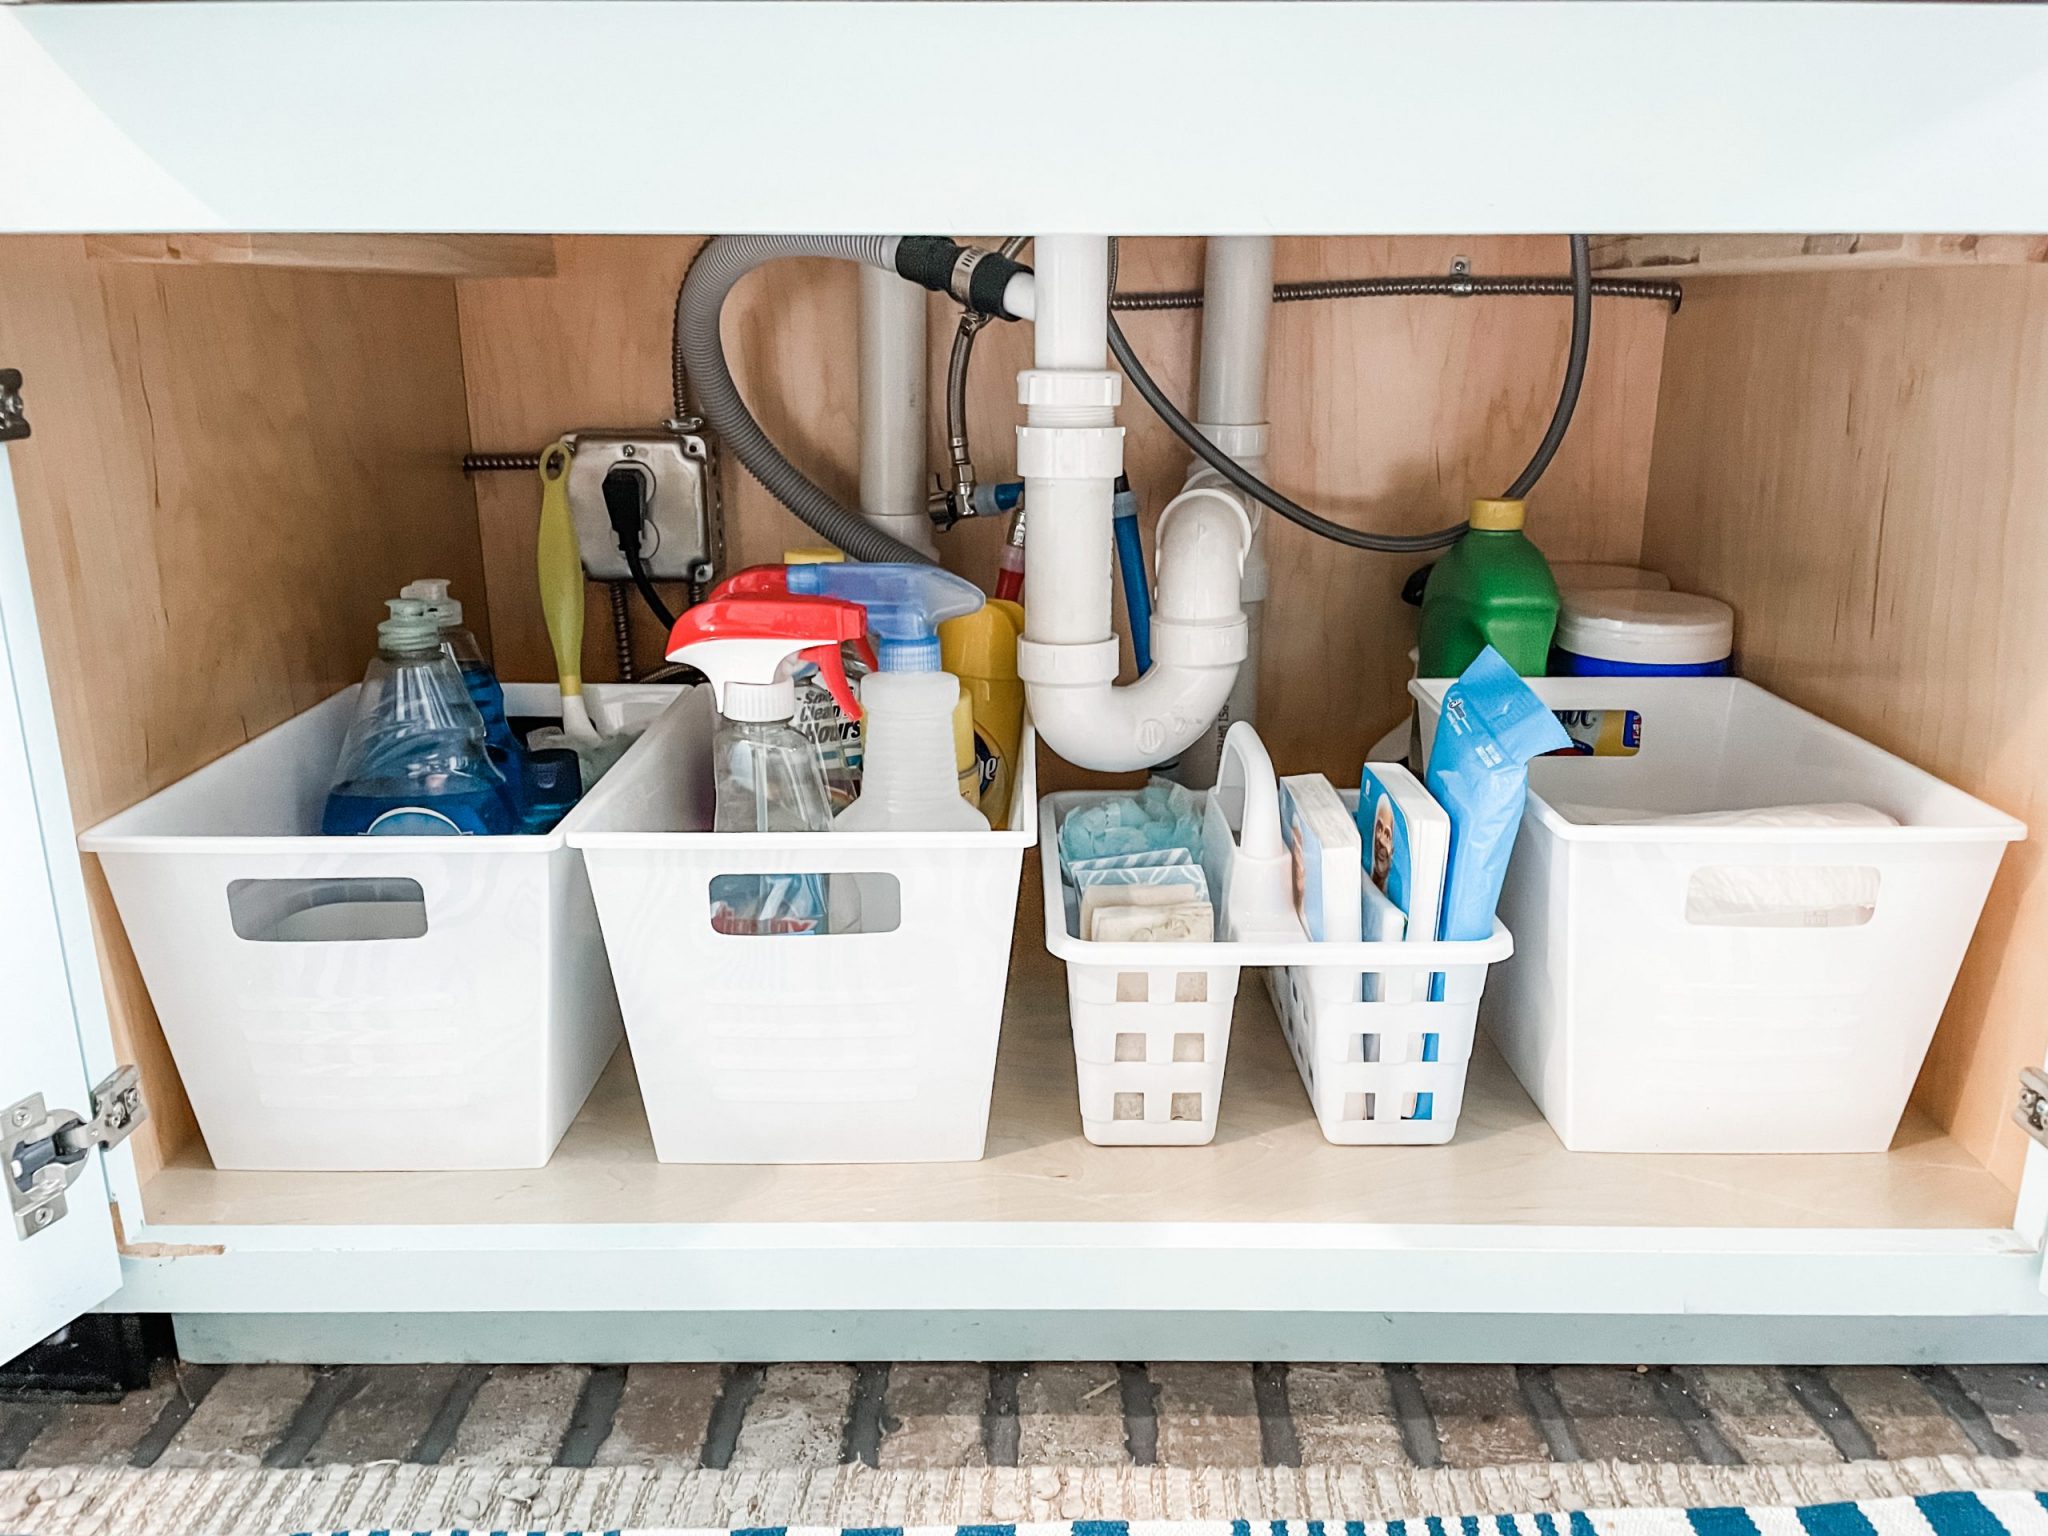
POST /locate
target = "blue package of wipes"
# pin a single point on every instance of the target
(1492, 724)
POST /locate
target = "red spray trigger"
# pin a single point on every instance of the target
(832, 673)
(754, 581)
(750, 638)
(773, 581)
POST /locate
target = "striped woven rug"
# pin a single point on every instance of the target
(1934, 1496)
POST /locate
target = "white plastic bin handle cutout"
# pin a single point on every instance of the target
(329, 910)
(1782, 895)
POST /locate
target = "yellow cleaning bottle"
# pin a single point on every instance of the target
(981, 650)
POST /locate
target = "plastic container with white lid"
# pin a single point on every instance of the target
(1619, 633)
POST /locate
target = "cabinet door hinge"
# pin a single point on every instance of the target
(43, 1150)
(2031, 1113)
(13, 414)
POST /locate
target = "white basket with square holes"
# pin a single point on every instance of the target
(1151, 1022)
(1383, 1062)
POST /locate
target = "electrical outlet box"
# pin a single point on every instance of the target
(681, 536)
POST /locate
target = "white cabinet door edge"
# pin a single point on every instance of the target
(49, 980)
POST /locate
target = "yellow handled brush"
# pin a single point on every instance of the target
(561, 589)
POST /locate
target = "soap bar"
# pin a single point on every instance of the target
(1189, 923)
(1097, 897)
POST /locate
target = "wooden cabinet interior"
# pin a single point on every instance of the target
(1855, 461)
(233, 463)
(230, 470)
(1389, 412)
(1688, 256)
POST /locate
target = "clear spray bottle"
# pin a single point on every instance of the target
(766, 773)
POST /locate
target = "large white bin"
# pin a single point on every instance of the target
(1640, 1016)
(364, 1002)
(865, 1047)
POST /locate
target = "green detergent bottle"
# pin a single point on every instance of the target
(1493, 587)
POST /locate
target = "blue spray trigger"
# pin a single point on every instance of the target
(905, 605)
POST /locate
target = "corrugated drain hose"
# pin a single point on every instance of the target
(720, 265)
(1294, 512)
(974, 277)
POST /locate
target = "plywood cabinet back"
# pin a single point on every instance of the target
(1856, 461)
(230, 470)
(1387, 413)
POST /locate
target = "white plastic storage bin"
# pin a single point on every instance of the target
(863, 1047)
(1151, 1022)
(348, 1003)
(1729, 989)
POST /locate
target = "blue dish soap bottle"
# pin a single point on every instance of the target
(414, 760)
(508, 752)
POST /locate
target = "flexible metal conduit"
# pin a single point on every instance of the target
(484, 463)
(1450, 286)
(1457, 287)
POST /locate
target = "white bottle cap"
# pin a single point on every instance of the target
(759, 701)
(433, 591)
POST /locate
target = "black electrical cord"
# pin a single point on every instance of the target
(648, 595)
(1354, 538)
(626, 488)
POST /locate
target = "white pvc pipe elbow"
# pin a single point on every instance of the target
(1199, 639)
(1070, 451)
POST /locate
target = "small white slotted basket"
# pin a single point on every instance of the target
(1379, 1071)
(1151, 1022)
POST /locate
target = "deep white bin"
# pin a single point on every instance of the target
(1637, 1028)
(338, 1035)
(812, 1048)
(1151, 1025)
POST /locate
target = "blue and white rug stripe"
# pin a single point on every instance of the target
(1955, 1513)
(1927, 1496)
